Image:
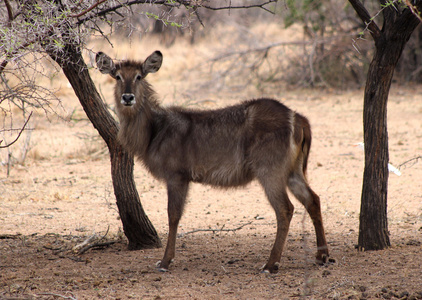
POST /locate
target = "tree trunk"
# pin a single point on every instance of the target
(389, 44)
(136, 225)
(373, 227)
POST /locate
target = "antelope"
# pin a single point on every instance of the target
(229, 147)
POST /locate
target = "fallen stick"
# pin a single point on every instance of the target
(57, 295)
(10, 236)
(222, 229)
(77, 248)
(91, 243)
(95, 245)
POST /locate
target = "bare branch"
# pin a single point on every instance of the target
(260, 49)
(412, 160)
(20, 132)
(366, 18)
(9, 24)
(86, 242)
(57, 295)
(413, 9)
(88, 9)
(177, 3)
(10, 236)
(93, 242)
(261, 5)
(3, 65)
(9, 12)
(222, 229)
(96, 245)
(113, 9)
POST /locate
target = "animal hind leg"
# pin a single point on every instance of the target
(303, 192)
(283, 208)
(177, 192)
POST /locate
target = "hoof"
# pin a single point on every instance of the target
(160, 268)
(267, 269)
(324, 259)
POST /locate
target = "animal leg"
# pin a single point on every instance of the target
(284, 211)
(303, 192)
(177, 192)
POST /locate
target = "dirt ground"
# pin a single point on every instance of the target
(61, 194)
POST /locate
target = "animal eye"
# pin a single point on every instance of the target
(139, 77)
(118, 77)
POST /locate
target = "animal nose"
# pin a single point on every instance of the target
(128, 99)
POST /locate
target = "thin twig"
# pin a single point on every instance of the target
(261, 5)
(57, 295)
(88, 9)
(20, 132)
(410, 160)
(222, 229)
(275, 45)
(366, 19)
(177, 3)
(10, 236)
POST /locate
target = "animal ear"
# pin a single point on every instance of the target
(105, 64)
(153, 63)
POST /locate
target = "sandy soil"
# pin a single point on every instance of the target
(62, 194)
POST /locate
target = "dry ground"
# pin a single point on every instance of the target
(62, 193)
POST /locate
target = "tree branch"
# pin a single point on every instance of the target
(3, 65)
(414, 9)
(9, 24)
(114, 9)
(409, 18)
(261, 5)
(412, 160)
(88, 9)
(176, 3)
(9, 12)
(364, 15)
(20, 132)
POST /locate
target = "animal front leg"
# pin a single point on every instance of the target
(177, 191)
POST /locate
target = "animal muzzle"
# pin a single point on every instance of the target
(128, 99)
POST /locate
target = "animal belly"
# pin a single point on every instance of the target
(224, 175)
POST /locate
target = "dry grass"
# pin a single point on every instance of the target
(63, 193)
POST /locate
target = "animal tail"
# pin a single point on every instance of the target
(303, 137)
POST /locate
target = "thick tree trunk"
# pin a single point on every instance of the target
(136, 225)
(373, 227)
(389, 44)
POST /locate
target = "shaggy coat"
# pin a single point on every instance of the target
(258, 139)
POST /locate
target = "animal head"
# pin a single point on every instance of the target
(131, 86)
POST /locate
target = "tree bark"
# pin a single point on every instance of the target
(373, 227)
(389, 43)
(137, 227)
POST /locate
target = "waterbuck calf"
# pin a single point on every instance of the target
(257, 139)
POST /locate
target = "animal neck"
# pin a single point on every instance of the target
(136, 126)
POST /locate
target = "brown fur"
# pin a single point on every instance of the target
(258, 139)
